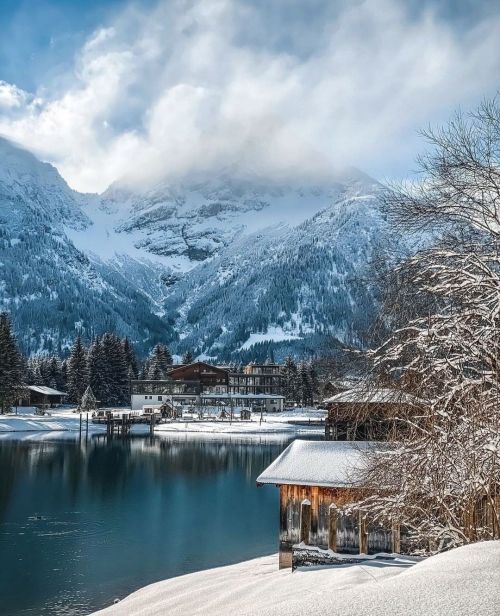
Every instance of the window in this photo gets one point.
(160, 398)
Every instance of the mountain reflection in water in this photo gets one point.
(82, 523)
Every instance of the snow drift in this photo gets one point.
(455, 583)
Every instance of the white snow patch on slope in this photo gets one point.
(459, 582)
(103, 241)
(273, 334)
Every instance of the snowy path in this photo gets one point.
(462, 582)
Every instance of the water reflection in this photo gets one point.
(84, 522)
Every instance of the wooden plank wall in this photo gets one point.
(327, 526)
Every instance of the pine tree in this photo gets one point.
(116, 380)
(77, 372)
(187, 358)
(160, 362)
(289, 379)
(121, 372)
(89, 402)
(313, 378)
(11, 365)
(97, 370)
(144, 372)
(64, 374)
(37, 372)
(55, 373)
(305, 390)
(155, 373)
(29, 374)
(131, 359)
(168, 357)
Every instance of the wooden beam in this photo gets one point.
(285, 556)
(332, 528)
(363, 535)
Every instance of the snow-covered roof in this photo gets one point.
(331, 464)
(375, 396)
(245, 396)
(46, 391)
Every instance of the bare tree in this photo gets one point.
(441, 479)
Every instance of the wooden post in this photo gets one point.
(396, 538)
(80, 425)
(285, 560)
(87, 426)
(495, 511)
(305, 521)
(152, 424)
(109, 423)
(332, 528)
(363, 535)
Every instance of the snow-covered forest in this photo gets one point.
(109, 363)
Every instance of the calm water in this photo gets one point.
(81, 524)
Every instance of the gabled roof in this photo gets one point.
(331, 464)
(203, 366)
(361, 395)
(46, 391)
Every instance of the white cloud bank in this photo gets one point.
(180, 88)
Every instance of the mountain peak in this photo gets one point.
(38, 186)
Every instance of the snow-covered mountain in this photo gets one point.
(214, 263)
(51, 288)
(183, 224)
(295, 287)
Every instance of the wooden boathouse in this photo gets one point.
(317, 481)
(361, 413)
(42, 396)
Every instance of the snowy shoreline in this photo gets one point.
(462, 581)
(65, 420)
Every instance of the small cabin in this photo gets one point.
(334, 387)
(39, 395)
(361, 413)
(317, 481)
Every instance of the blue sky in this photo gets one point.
(140, 90)
(40, 37)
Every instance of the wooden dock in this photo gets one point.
(121, 424)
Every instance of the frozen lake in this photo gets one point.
(84, 523)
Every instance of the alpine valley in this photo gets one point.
(227, 265)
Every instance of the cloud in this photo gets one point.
(12, 97)
(196, 86)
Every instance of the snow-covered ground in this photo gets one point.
(462, 582)
(61, 420)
